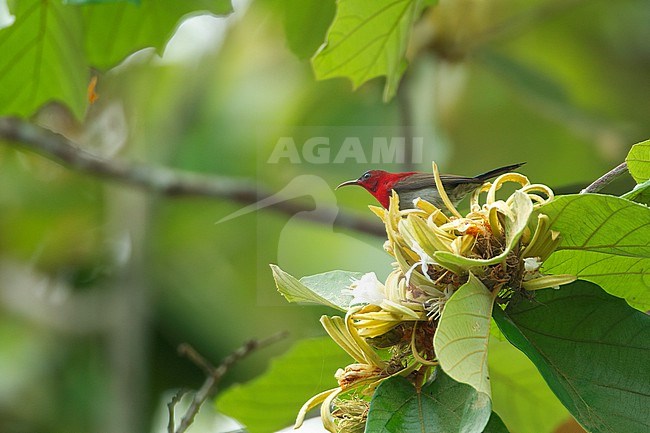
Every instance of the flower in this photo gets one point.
(504, 243)
(367, 372)
(532, 264)
(435, 251)
(367, 290)
(434, 306)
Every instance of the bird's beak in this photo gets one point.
(347, 183)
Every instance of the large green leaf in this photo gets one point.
(42, 58)
(273, 400)
(591, 348)
(461, 339)
(443, 405)
(47, 51)
(600, 223)
(606, 240)
(519, 394)
(368, 39)
(622, 276)
(325, 289)
(115, 30)
(515, 222)
(638, 161)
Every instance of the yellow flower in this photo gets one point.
(502, 242)
(435, 252)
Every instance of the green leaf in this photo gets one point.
(305, 23)
(273, 400)
(519, 394)
(42, 58)
(515, 223)
(495, 332)
(591, 348)
(325, 289)
(368, 39)
(613, 226)
(461, 340)
(110, 35)
(638, 161)
(495, 425)
(611, 247)
(640, 193)
(622, 276)
(443, 405)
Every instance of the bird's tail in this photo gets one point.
(498, 171)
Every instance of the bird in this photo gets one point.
(411, 185)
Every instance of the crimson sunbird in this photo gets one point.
(411, 185)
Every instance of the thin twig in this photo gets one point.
(605, 179)
(199, 398)
(214, 375)
(190, 353)
(171, 406)
(169, 182)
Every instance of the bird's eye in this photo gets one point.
(366, 176)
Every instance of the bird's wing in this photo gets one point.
(423, 180)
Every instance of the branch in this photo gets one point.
(166, 181)
(214, 376)
(171, 406)
(605, 179)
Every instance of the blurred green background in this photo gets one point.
(100, 282)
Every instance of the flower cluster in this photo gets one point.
(389, 327)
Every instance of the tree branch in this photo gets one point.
(605, 179)
(171, 407)
(166, 181)
(214, 376)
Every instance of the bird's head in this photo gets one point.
(379, 183)
(371, 180)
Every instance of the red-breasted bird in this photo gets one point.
(411, 185)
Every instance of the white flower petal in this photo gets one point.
(532, 264)
(367, 290)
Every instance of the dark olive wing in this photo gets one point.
(423, 180)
